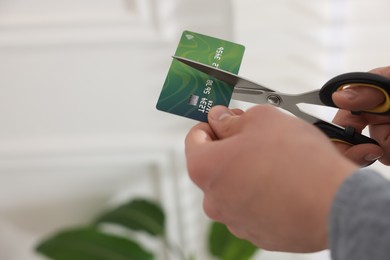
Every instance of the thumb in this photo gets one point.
(358, 98)
(223, 121)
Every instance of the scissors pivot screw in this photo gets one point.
(274, 100)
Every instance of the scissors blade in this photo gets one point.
(311, 97)
(227, 77)
(245, 90)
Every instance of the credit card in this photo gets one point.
(191, 93)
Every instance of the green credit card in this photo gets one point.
(191, 93)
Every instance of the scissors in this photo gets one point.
(249, 91)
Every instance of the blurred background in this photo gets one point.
(79, 81)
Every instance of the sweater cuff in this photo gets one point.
(359, 222)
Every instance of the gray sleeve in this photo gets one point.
(359, 227)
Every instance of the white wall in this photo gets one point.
(79, 81)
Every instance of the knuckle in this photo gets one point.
(226, 129)
(238, 232)
(261, 110)
(195, 173)
(198, 171)
(211, 210)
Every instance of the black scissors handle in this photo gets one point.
(358, 79)
(346, 135)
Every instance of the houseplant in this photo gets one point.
(98, 241)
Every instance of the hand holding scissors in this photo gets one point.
(249, 91)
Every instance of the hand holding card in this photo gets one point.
(190, 93)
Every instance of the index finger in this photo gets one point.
(198, 145)
(384, 71)
(198, 135)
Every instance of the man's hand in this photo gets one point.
(364, 98)
(268, 176)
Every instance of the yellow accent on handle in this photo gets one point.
(384, 107)
(339, 141)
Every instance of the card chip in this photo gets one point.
(193, 100)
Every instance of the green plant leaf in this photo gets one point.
(225, 246)
(138, 215)
(89, 243)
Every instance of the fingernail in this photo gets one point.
(220, 112)
(372, 157)
(348, 93)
